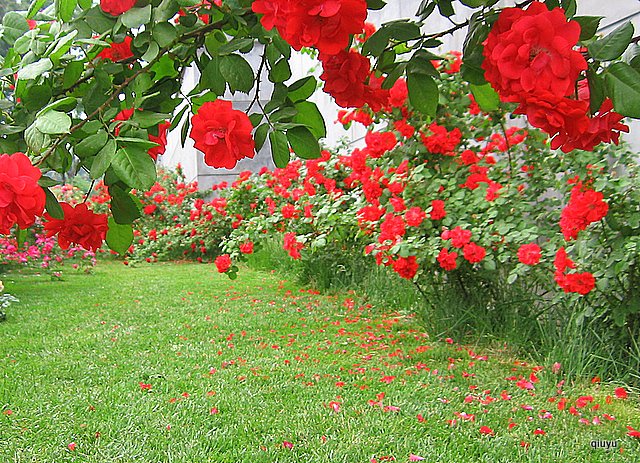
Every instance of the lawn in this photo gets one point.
(176, 363)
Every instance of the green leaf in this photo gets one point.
(309, 115)
(303, 143)
(237, 72)
(146, 119)
(34, 70)
(623, 86)
(234, 45)
(65, 104)
(376, 43)
(37, 96)
(256, 118)
(613, 45)
(52, 205)
(35, 140)
(53, 123)
(279, 149)
(91, 145)
(35, 7)
(402, 30)
(135, 167)
(103, 159)
(375, 4)
(14, 26)
(280, 72)
(119, 236)
(136, 17)
(588, 26)
(164, 34)
(596, 90)
(486, 97)
(302, 89)
(123, 207)
(212, 79)
(66, 8)
(423, 93)
(72, 73)
(260, 135)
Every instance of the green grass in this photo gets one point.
(270, 357)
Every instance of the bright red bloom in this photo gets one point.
(79, 226)
(324, 24)
(458, 236)
(529, 254)
(447, 260)
(116, 7)
(441, 141)
(562, 262)
(581, 283)
(414, 216)
(246, 247)
(398, 94)
(347, 78)
(160, 139)
(379, 143)
(437, 210)
(222, 133)
(223, 263)
(621, 393)
(118, 51)
(405, 129)
(406, 267)
(292, 245)
(584, 207)
(531, 51)
(392, 228)
(486, 430)
(473, 252)
(21, 198)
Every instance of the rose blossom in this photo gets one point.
(223, 134)
(21, 198)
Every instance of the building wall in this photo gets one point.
(614, 11)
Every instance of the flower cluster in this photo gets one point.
(530, 59)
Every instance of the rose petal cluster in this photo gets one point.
(118, 51)
(21, 198)
(223, 134)
(530, 59)
(324, 24)
(116, 7)
(585, 207)
(80, 226)
(348, 79)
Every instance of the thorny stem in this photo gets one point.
(506, 141)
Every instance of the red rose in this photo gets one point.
(584, 207)
(473, 253)
(246, 247)
(116, 7)
(118, 51)
(414, 216)
(79, 226)
(406, 267)
(344, 75)
(529, 51)
(437, 210)
(581, 283)
(529, 254)
(459, 237)
(324, 24)
(21, 198)
(223, 134)
(223, 263)
(447, 260)
(292, 245)
(441, 141)
(160, 139)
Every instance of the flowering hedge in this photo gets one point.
(95, 87)
(460, 200)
